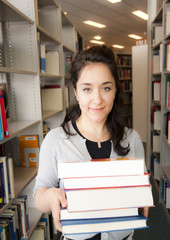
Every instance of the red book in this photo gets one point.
(4, 120)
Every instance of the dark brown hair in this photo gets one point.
(114, 122)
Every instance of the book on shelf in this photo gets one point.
(53, 62)
(168, 56)
(3, 114)
(66, 215)
(42, 57)
(157, 34)
(81, 226)
(52, 99)
(167, 21)
(157, 120)
(29, 150)
(101, 167)
(4, 180)
(167, 91)
(9, 216)
(157, 91)
(156, 63)
(156, 142)
(1, 127)
(165, 190)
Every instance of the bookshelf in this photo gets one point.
(158, 148)
(124, 63)
(23, 25)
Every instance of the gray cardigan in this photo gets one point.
(57, 147)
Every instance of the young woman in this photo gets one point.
(92, 128)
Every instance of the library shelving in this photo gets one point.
(124, 63)
(158, 148)
(24, 25)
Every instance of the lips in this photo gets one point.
(97, 109)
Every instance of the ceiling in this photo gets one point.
(117, 17)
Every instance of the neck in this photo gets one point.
(96, 132)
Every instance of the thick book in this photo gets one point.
(66, 215)
(102, 225)
(106, 181)
(101, 167)
(109, 198)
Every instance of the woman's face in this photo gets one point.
(95, 92)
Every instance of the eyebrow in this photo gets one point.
(89, 84)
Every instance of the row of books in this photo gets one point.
(126, 85)
(104, 195)
(123, 60)
(14, 221)
(7, 190)
(124, 73)
(49, 61)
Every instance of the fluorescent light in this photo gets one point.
(65, 13)
(95, 24)
(97, 37)
(117, 46)
(114, 1)
(97, 42)
(134, 36)
(141, 14)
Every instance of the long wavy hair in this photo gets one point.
(114, 122)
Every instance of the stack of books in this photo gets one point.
(104, 195)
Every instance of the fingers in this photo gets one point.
(146, 211)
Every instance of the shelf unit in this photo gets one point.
(124, 63)
(158, 148)
(23, 25)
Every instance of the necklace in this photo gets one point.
(99, 142)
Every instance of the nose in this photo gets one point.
(97, 97)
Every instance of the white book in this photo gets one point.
(52, 63)
(109, 198)
(66, 215)
(107, 181)
(167, 22)
(101, 167)
(156, 64)
(157, 120)
(156, 143)
(158, 34)
(157, 91)
(11, 177)
(38, 234)
(168, 57)
(52, 99)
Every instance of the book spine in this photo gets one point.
(3, 114)
(42, 58)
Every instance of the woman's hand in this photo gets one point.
(49, 200)
(57, 199)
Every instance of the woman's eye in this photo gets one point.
(86, 90)
(106, 89)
